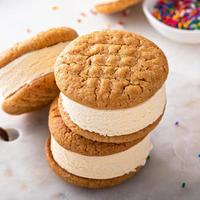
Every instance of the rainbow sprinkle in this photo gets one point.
(181, 14)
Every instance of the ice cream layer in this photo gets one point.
(116, 122)
(27, 68)
(102, 167)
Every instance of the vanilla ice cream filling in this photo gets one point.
(102, 167)
(27, 68)
(116, 122)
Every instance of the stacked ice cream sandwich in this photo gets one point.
(112, 95)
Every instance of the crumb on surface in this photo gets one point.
(79, 20)
(28, 30)
(93, 12)
(54, 8)
(83, 14)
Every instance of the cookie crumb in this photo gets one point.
(93, 12)
(120, 23)
(79, 20)
(83, 14)
(125, 13)
(28, 30)
(54, 8)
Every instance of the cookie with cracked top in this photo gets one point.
(111, 69)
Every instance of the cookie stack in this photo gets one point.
(112, 96)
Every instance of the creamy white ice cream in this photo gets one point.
(116, 122)
(27, 68)
(102, 167)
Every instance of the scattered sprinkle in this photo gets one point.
(79, 20)
(176, 123)
(199, 155)
(183, 185)
(120, 23)
(28, 30)
(181, 14)
(93, 12)
(125, 13)
(83, 14)
(54, 8)
(107, 25)
(148, 158)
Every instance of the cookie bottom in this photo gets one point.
(31, 97)
(115, 6)
(137, 136)
(80, 181)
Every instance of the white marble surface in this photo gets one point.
(24, 172)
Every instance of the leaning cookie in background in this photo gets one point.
(112, 6)
(112, 86)
(26, 71)
(90, 164)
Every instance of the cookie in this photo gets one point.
(111, 70)
(133, 137)
(112, 84)
(112, 6)
(26, 70)
(91, 164)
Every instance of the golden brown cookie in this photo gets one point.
(115, 6)
(134, 137)
(111, 70)
(26, 70)
(80, 181)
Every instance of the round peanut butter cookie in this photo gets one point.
(112, 6)
(134, 137)
(80, 181)
(73, 141)
(26, 70)
(111, 70)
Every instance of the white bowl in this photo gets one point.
(178, 35)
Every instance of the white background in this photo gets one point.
(24, 172)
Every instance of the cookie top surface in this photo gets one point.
(111, 69)
(76, 143)
(41, 40)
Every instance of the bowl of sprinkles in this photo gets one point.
(178, 20)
